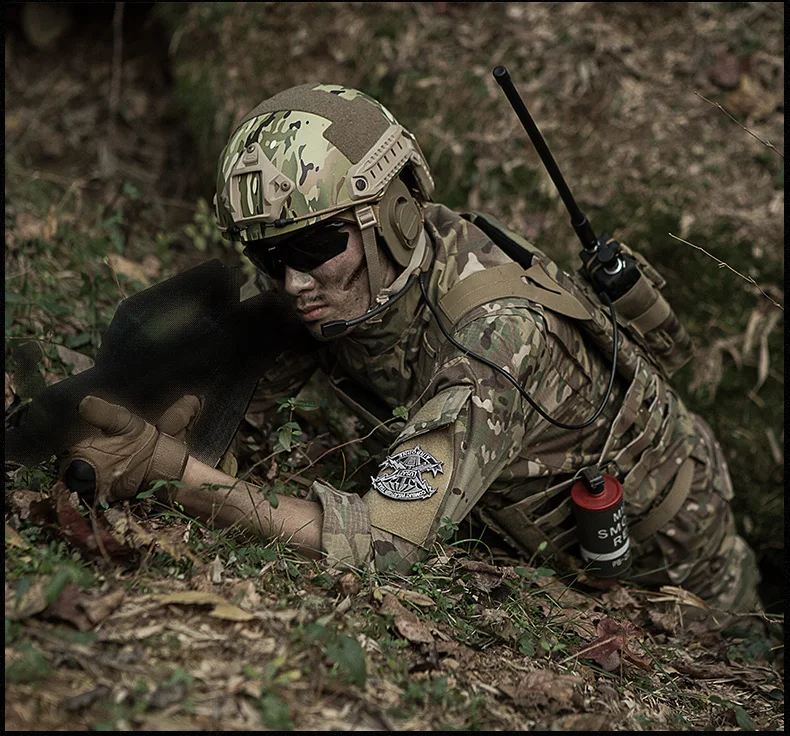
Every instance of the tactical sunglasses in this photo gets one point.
(304, 251)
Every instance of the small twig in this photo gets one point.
(115, 277)
(97, 535)
(117, 63)
(754, 135)
(18, 273)
(722, 264)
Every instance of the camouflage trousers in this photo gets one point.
(700, 549)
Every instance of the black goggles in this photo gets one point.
(304, 251)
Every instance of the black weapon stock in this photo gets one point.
(189, 334)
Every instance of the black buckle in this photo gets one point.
(593, 479)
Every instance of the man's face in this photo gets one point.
(337, 289)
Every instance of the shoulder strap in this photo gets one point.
(510, 280)
(529, 277)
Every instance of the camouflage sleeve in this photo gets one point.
(454, 446)
(345, 530)
(459, 441)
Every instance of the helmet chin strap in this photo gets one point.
(367, 219)
(373, 260)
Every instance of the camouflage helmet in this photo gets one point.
(313, 152)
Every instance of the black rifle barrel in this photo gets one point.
(579, 220)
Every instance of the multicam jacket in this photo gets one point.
(477, 446)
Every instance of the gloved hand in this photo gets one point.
(130, 452)
(178, 420)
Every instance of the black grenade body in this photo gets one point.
(601, 526)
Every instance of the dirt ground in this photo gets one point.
(141, 619)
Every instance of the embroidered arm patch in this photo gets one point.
(405, 482)
(418, 471)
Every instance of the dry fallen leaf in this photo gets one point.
(613, 645)
(92, 536)
(619, 598)
(151, 266)
(413, 630)
(222, 609)
(728, 69)
(130, 269)
(134, 534)
(668, 621)
(12, 538)
(349, 584)
(84, 700)
(251, 600)
(68, 608)
(589, 722)
(417, 598)
(343, 606)
(497, 621)
(29, 226)
(229, 612)
(26, 601)
(98, 609)
(10, 394)
(191, 597)
(215, 570)
(78, 361)
(543, 687)
(751, 99)
(487, 577)
(409, 626)
(405, 595)
(24, 504)
(682, 597)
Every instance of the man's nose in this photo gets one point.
(297, 281)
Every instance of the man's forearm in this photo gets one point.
(223, 501)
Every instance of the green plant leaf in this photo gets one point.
(349, 657)
(285, 437)
(743, 719)
(275, 712)
(131, 191)
(179, 674)
(55, 586)
(401, 412)
(447, 528)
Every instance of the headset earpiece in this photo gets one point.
(400, 221)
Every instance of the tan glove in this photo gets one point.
(129, 454)
(178, 420)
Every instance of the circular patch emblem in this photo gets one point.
(405, 482)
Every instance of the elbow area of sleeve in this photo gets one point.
(392, 553)
(345, 531)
